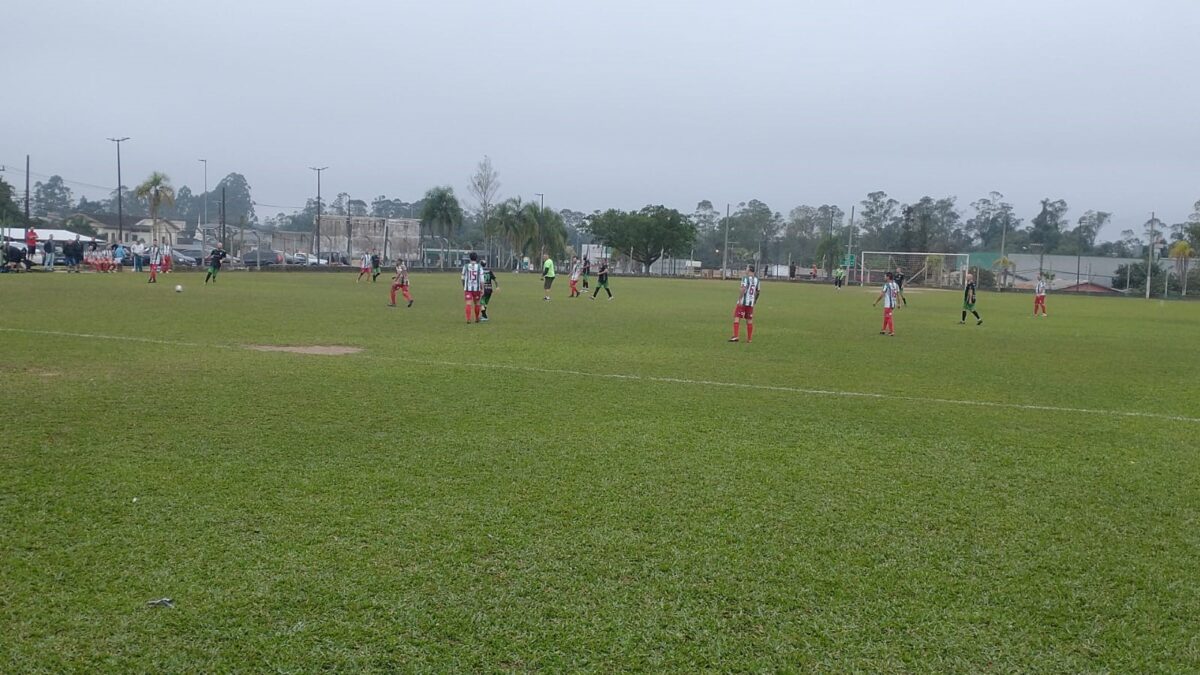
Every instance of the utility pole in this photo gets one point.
(538, 234)
(120, 207)
(1150, 257)
(205, 162)
(725, 251)
(28, 223)
(850, 237)
(223, 215)
(317, 237)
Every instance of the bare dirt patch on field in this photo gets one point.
(320, 350)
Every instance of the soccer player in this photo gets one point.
(890, 294)
(400, 282)
(744, 309)
(587, 271)
(166, 256)
(375, 269)
(215, 259)
(364, 267)
(1039, 295)
(969, 302)
(472, 278)
(547, 275)
(576, 270)
(490, 284)
(602, 280)
(839, 277)
(155, 253)
(899, 279)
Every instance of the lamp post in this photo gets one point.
(538, 222)
(205, 162)
(120, 207)
(317, 224)
(725, 250)
(1150, 256)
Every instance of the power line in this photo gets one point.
(35, 174)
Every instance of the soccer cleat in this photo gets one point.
(484, 319)
(962, 323)
(410, 303)
(391, 304)
(979, 322)
(733, 339)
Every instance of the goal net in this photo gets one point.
(943, 270)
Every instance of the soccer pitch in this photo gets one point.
(592, 485)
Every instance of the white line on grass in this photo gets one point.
(666, 380)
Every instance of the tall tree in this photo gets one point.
(441, 214)
(1087, 228)
(994, 225)
(10, 213)
(239, 204)
(879, 221)
(53, 196)
(484, 187)
(156, 191)
(1047, 225)
(645, 235)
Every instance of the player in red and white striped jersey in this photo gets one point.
(472, 278)
(744, 309)
(890, 294)
(1039, 295)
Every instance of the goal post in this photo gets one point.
(936, 270)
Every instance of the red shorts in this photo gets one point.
(472, 296)
(743, 312)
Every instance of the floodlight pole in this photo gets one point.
(317, 238)
(120, 208)
(1150, 257)
(538, 223)
(725, 251)
(205, 162)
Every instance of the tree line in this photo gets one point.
(512, 228)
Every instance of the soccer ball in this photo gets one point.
(178, 288)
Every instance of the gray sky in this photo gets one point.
(621, 103)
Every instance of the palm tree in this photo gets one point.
(156, 191)
(504, 224)
(1182, 252)
(441, 213)
(544, 231)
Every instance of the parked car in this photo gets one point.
(310, 259)
(263, 257)
(181, 259)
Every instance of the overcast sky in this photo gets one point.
(621, 103)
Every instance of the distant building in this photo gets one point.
(133, 229)
(393, 238)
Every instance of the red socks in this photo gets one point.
(478, 309)
(393, 295)
(736, 327)
(468, 313)
(749, 332)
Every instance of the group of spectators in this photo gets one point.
(75, 254)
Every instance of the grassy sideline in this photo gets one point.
(495, 497)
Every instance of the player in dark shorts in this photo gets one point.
(602, 280)
(587, 271)
(898, 277)
(215, 259)
(375, 268)
(969, 302)
(489, 285)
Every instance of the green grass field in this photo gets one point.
(589, 485)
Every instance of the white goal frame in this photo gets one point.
(948, 276)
